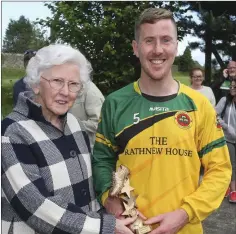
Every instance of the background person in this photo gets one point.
(20, 85)
(87, 108)
(221, 87)
(46, 169)
(197, 78)
(162, 131)
(226, 110)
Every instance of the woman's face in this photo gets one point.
(233, 88)
(197, 78)
(58, 88)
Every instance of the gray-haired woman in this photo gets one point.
(46, 169)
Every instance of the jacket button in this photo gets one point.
(73, 153)
(84, 192)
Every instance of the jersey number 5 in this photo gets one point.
(136, 118)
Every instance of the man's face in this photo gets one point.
(156, 48)
(232, 68)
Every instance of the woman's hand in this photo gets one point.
(113, 205)
(121, 225)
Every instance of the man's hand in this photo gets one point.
(113, 205)
(225, 73)
(170, 223)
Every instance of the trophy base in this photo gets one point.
(143, 230)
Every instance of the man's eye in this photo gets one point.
(166, 40)
(149, 40)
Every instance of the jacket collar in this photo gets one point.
(27, 107)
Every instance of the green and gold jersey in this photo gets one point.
(163, 144)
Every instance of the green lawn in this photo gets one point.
(9, 77)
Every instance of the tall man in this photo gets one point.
(162, 131)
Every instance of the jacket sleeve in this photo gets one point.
(43, 211)
(93, 105)
(104, 153)
(220, 106)
(214, 155)
(229, 129)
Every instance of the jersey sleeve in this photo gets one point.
(214, 155)
(104, 153)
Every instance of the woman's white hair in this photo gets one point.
(56, 54)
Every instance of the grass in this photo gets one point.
(10, 76)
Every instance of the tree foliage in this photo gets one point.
(186, 62)
(21, 35)
(103, 31)
(217, 30)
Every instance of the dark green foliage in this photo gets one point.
(22, 35)
(186, 62)
(217, 30)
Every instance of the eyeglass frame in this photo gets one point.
(197, 77)
(64, 82)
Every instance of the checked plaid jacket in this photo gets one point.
(47, 182)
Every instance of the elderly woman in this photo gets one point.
(196, 79)
(46, 169)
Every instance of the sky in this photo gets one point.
(33, 10)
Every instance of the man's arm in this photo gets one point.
(213, 152)
(104, 156)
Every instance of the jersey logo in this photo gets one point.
(183, 120)
(158, 108)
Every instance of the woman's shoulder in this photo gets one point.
(207, 88)
(10, 124)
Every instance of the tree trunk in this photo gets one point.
(217, 56)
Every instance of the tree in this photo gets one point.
(103, 31)
(185, 62)
(217, 30)
(21, 35)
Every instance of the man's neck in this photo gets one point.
(164, 87)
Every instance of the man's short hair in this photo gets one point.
(28, 55)
(151, 16)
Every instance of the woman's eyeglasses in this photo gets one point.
(58, 84)
(197, 77)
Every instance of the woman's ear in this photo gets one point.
(35, 88)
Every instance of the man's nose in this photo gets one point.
(158, 47)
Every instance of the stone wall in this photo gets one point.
(12, 60)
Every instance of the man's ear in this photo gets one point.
(135, 48)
